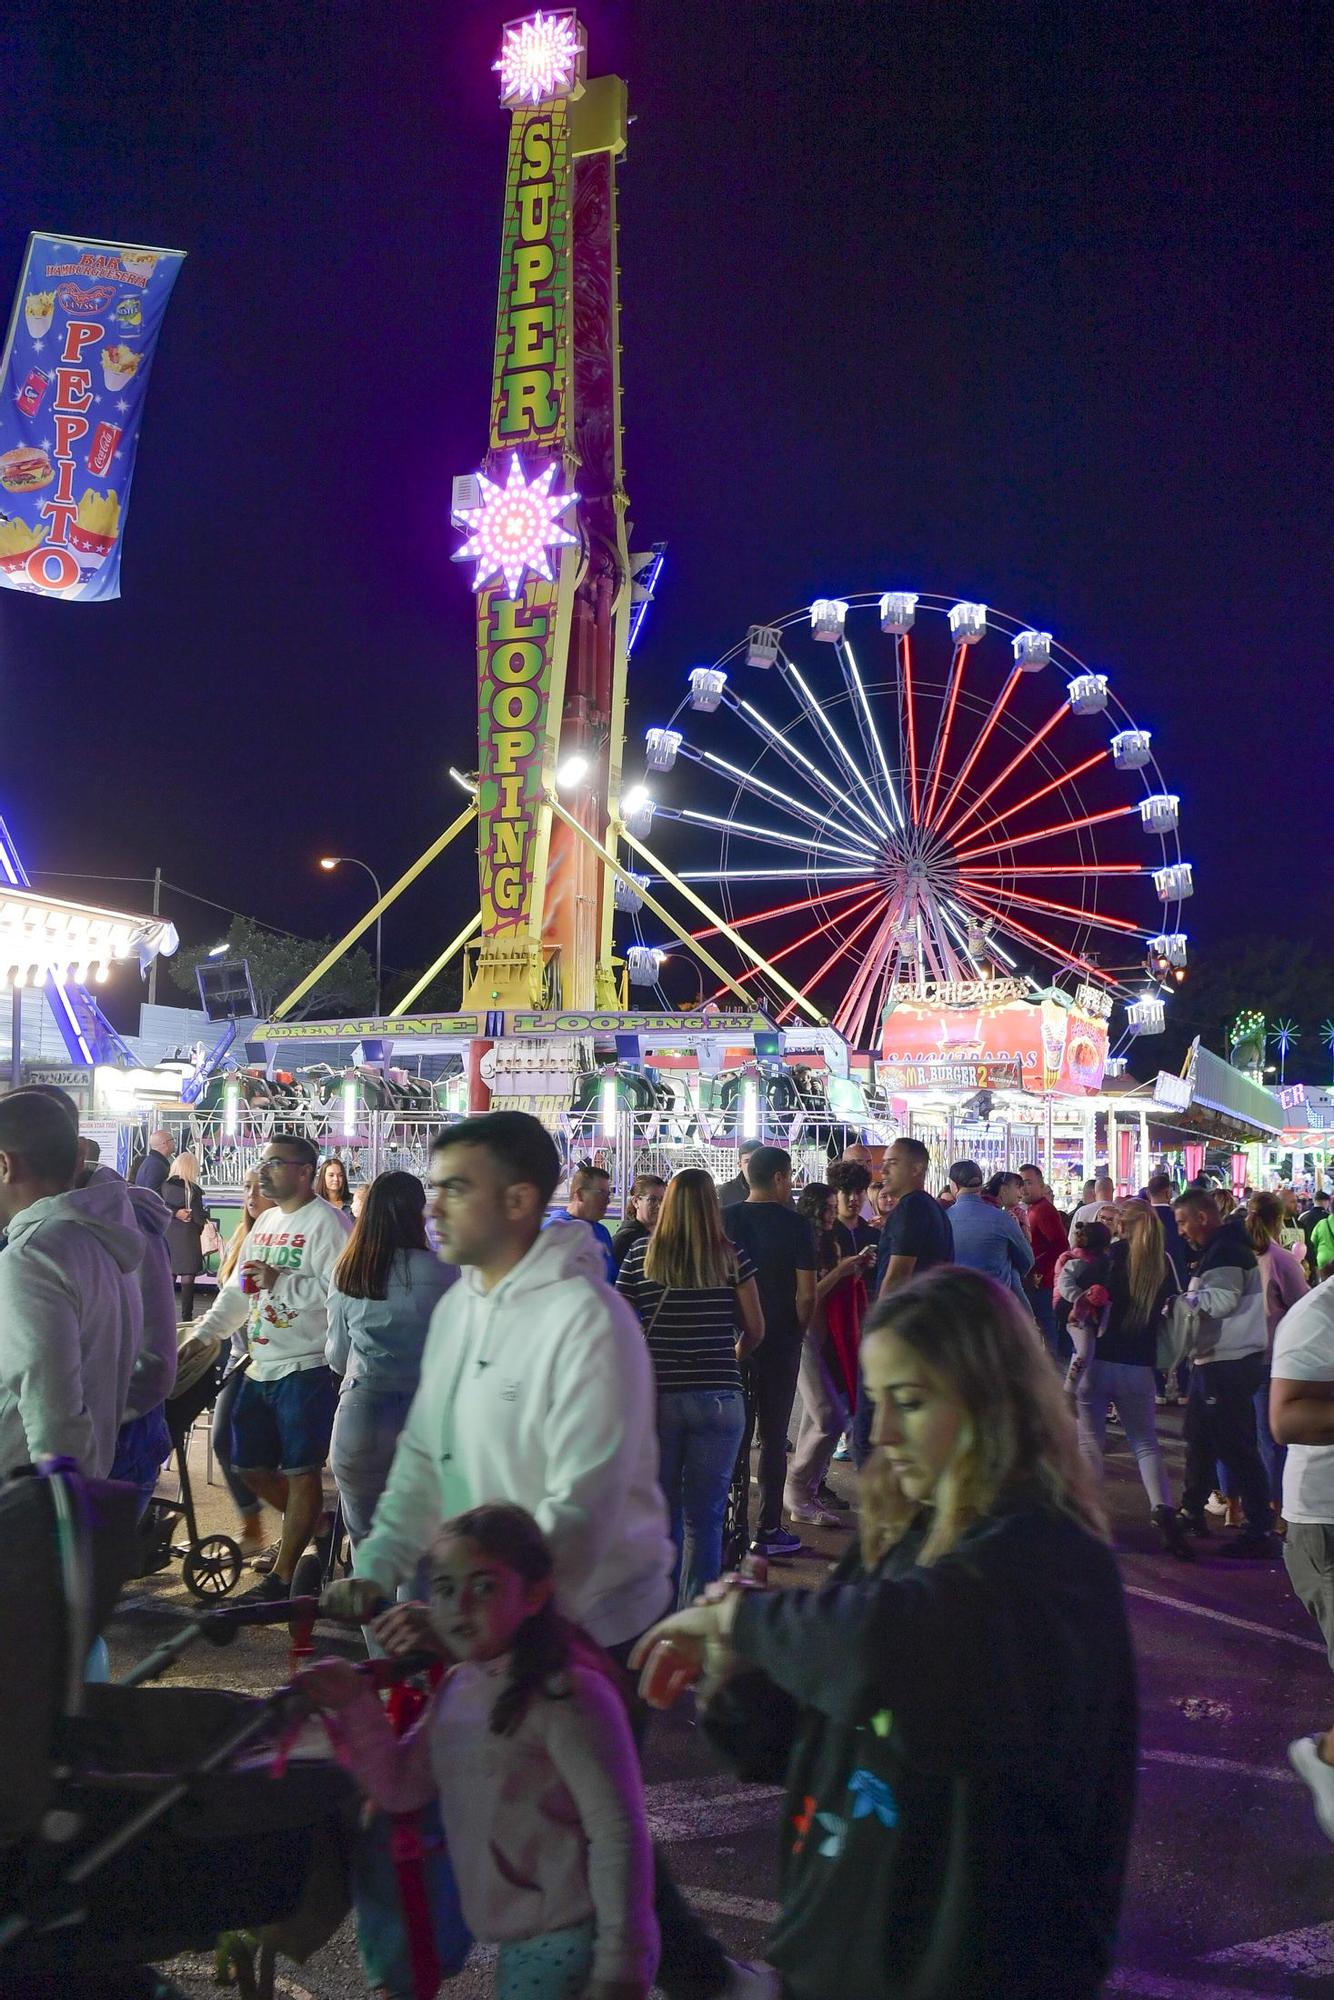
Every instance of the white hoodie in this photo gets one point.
(540, 1392)
(71, 1325)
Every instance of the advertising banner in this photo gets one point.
(77, 358)
(1052, 1047)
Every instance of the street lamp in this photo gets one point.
(331, 861)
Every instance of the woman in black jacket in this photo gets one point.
(954, 1716)
(185, 1231)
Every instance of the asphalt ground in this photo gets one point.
(1231, 1884)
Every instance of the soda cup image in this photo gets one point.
(102, 449)
(30, 397)
(248, 1284)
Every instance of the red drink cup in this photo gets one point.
(248, 1283)
(668, 1672)
(100, 452)
(29, 398)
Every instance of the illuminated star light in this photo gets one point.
(514, 527)
(538, 58)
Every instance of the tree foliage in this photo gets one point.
(1285, 978)
(278, 963)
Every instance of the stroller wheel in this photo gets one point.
(212, 1567)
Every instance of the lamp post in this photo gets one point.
(331, 861)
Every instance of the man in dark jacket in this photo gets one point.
(156, 1163)
(738, 1188)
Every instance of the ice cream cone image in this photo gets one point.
(119, 365)
(38, 312)
(139, 263)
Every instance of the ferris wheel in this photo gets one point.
(892, 791)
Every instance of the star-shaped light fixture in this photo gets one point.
(539, 58)
(514, 527)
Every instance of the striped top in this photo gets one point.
(693, 1338)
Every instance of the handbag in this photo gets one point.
(210, 1238)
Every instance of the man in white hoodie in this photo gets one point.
(537, 1388)
(71, 1313)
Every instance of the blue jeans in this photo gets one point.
(247, 1502)
(366, 1431)
(1273, 1456)
(699, 1435)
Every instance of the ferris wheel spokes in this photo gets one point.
(776, 957)
(940, 747)
(817, 902)
(998, 708)
(799, 761)
(774, 836)
(1043, 791)
(903, 652)
(1000, 916)
(963, 855)
(791, 672)
(866, 723)
(1038, 737)
(779, 797)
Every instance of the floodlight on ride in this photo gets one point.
(539, 58)
(1147, 1016)
(763, 644)
(637, 810)
(829, 615)
(628, 895)
(968, 623)
(706, 688)
(643, 964)
(749, 1123)
(898, 611)
(1160, 812)
(231, 1108)
(1174, 883)
(514, 526)
(660, 748)
(350, 1097)
(1131, 749)
(1032, 651)
(1088, 694)
(609, 1103)
(571, 771)
(1169, 947)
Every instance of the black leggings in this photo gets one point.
(187, 1286)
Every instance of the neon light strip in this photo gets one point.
(894, 799)
(749, 782)
(997, 710)
(943, 736)
(1053, 785)
(1039, 736)
(1026, 868)
(755, 971)
(775, 838)
(874, 966)
(837, 741)
(912, 728)
(786, 749)
(993, 948)
(1045, 833)
(18, 879)
(1069, 911)
(786, 909)
(833, 958)
(760, 874)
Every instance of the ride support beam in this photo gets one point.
(733, 937)
(474, 923)
(678, 931)
(391, 894)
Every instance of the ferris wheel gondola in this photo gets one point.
(881, 800)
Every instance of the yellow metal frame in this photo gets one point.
(344, 944)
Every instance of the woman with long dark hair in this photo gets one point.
(954, 1715)
(386, 1285)
(699, 1306)
(331, 1184)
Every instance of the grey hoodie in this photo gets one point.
(71, 1326)
(155, 1370)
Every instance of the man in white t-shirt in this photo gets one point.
(283, 1415)
(1301, 1416)
(1104, 1190)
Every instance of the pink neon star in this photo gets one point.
(538, 58)
(514, 527)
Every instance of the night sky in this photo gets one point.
(1027, 304)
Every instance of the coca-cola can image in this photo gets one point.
(29, 398)
(102, 449)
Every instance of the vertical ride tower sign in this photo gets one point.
(525, 557)
(72, 386)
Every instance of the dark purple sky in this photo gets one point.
(1027, 303)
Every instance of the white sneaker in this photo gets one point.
(747, 1979)
(817, 1517)
(1216, 1505)
(1305, 1759)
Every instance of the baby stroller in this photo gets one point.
(135, 1822)
(211, 1566)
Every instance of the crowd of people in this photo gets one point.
(535, 1429)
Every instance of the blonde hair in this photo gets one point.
(975, 1341)
(185, 1167)
(1225, 1202)
(1264, 1221)
(1146, 1259)
(688, 1250)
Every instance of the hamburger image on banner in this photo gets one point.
(25, 468)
